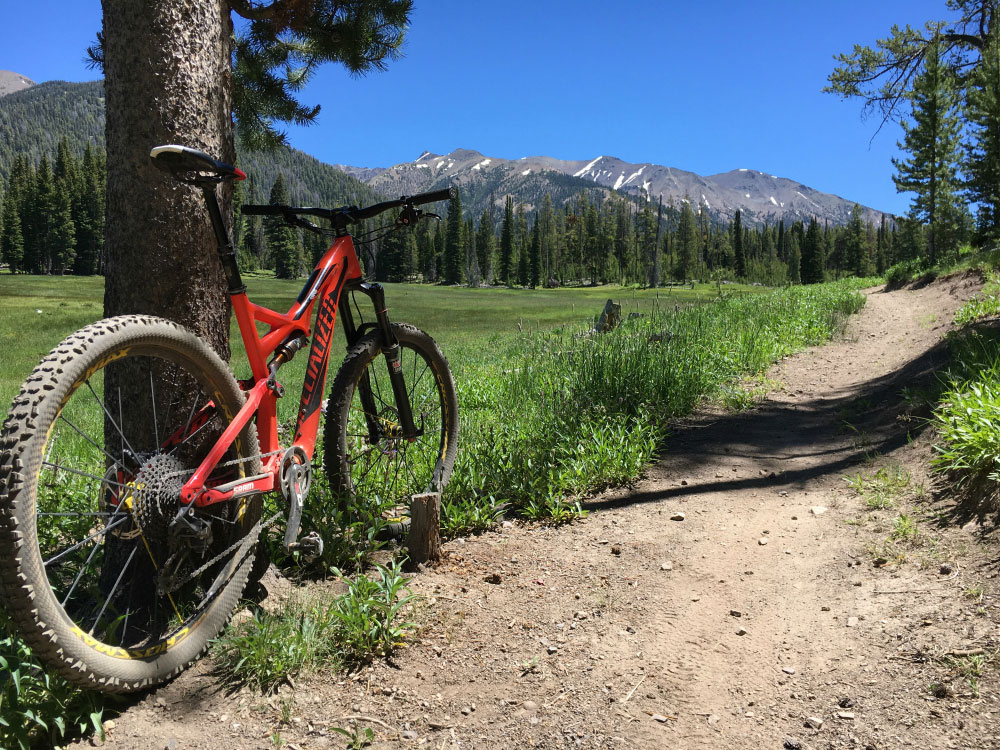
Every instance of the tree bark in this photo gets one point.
(167, 66)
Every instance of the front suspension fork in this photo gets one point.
(391, 351)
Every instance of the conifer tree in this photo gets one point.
(535, 255)
(738, 250)
(933, 144)
(812, 254)
(507, 244)
(11, 238)
(394, 259)
(90, 215)
(472, 270)
(686, 242)
(453, 250)
(548, 239)
(793, 240)
(883, 252)
(857, 244)
(982, 156)
(484, 246)
(60, 239)
(38, 212)
(521, 243)
(282, 244)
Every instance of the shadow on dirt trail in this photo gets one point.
(845, 429)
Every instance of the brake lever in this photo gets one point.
(410, 216)
(297, 221)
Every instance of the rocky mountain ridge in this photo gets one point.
(11, 82)
(761, 197)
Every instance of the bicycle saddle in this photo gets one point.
(181, 159)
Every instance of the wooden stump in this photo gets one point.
(610, 317)
(424, 541)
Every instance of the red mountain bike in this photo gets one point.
(132, 464)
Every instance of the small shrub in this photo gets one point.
(349, 629)
(368, 616)
(37, 708)
(985, 304)
(904, 529)
(904, 272)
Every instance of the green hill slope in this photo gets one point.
(32, 122)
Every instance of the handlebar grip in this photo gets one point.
(438, 195)
(251, 209)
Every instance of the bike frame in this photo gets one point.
(336, 272)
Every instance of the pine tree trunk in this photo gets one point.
(167, 80)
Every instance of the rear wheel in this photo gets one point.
(110, 584)
(368, 460)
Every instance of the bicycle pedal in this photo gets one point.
(311, 546)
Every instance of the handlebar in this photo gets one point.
(348, 214)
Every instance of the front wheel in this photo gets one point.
(368, 459)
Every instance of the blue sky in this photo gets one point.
(704, 87)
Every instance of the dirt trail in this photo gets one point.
(760, 612)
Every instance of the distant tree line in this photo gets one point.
(649, 244)
(52, 213)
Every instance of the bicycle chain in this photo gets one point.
(257, 531)
(259, 528)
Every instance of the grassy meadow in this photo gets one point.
(37, 312)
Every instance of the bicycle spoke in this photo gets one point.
(102, 532)
(395, 476)
(125, 443)
(114, 588)
(89, 440)
(79, 575)
(187, 425)
(417, 380)
(102, 480)
(166, 425)
(188, 438)
(152, 397)
(375, 378)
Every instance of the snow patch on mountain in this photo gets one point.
(587, 168)
(634, 175)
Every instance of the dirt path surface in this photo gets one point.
(743, 595)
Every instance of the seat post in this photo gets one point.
(227, 254)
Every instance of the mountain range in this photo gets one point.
(759, 196)
(34, 117)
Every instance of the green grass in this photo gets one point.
(966, 416)
(458, 318)
(348, 630)
(36, 708)
(881, 489)
(967, 259)
(985, 304)
(563, 414)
